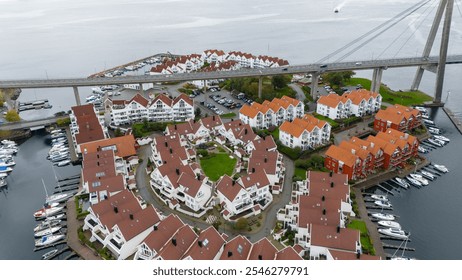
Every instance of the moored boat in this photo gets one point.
(413, 181)
(59, 197)
(47, 231)
(389, 224)
(47, 211)
(419, 178)
(397, 233)
(383, 216)
(442, 138)
(48, 239)
(46, 224)
(441, 168)
(428, 175)
(49, 254)
(402, 182)
(384, 204)
(379, 197)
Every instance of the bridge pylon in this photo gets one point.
(445, 7)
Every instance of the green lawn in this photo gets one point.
(406, 98)
(216, 165)
(228, 115)
(300, 173)
(365, 240)
(333, 123)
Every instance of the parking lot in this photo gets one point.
(217, 101)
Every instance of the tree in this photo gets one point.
(278, 82)
(118, 132)
(197, 113)
(242, 223)
(337, 79)
(12, 116)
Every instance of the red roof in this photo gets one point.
(328, 237)
(123, 146)
(263, 250)
(89, 127)
(237, 249)
(138, 222)
(140, 100)
(207, 246)
(163, 232)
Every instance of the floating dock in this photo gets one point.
(457, 123)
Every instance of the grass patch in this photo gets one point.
(216, 165)
(366, 242)
(333, 123)
(307, 91)
(405, 98)
(228, 115)
(300, 173)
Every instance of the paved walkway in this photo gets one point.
(73, 240)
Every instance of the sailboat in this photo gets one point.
(59, 197)
(49, 208)
(402, 257)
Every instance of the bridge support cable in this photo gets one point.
(77, 96)
(380, 33)
(398, 17)
(443, 51)
(430, 41)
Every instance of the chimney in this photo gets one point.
(97, 163)
(116, 210)
(323, 198)
(198, 176)
(213, 117)
(330, 174)
(230, 254)
(166, 144)
(175, 126)
(174, 241)
(253, 170)
(234, 182)
(199, 242)
(155, 227)
(165, 162)
(177, 171)
(358, 255)
(331, 184)
(105, 197)
(324, 211)
(131, 216)
(171, 151)
(260, 257)
(266, 160)
(338, 229)
(245, 131)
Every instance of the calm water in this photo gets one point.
(24, 195)
(57, 39)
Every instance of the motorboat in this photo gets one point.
(46, 224)
(49, 254)
(434, 142)
(7, 162)
(63, 163)
(379, 197)
(383, 204)
(47, 211)
(442, 142)
(421, 109)
(402, 182)
(383, 216)
(428, 175)
(441, 168)
(5, 169)
(413, 181)
(8, 142)
(419, 178)
(398, 233)
(428, 121)
(433, 130)
(61, 216)
(47, 231)
(389, 224)
(3, 182)
(422, 150)
(48, 239)
(442, 138)
(3, 175)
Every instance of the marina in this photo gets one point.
(34, 105)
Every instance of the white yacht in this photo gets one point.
(434, 142)
(441, 168)
(393, 232)
(384, 204)
(389, 224)
(433, 130)
(422, 150)
(46, 224)
(413, 181)
(47, 231)
(419, 178)
(442, 138)
(379, 197)
(382, 216)
(48, 239)
(427, 174)
(402, 182)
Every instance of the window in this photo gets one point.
(100, 174)
(107, 148)
(96, 184)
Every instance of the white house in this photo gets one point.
(120, 223)
(306, 133)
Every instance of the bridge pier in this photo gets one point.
(314, 85)
(141, 89)
(376, 79)
(443, 51)
(260, 84)
(76, 95)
